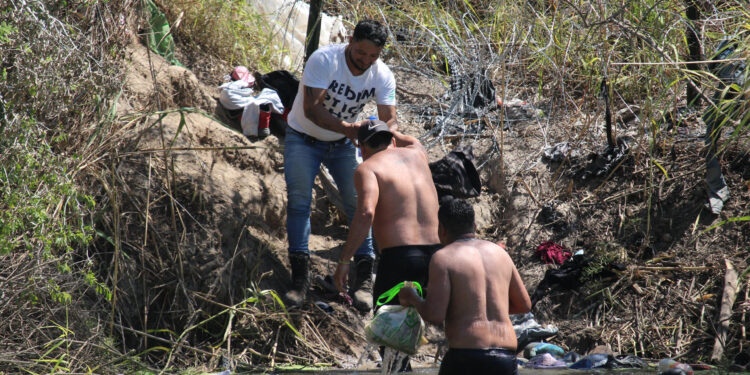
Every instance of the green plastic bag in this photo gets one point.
(160, 39)
(397, 327)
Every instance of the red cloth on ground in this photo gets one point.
(552, 253)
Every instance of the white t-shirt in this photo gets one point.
(346, 94)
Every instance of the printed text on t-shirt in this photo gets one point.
(343, 102)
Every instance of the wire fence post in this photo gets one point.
(313, 28)
(693, 14)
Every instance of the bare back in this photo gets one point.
(406, 210)
(484, 288)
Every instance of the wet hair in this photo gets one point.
(457, 217)
(379, 140)
(370, 30)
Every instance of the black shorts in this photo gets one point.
(402, 263)
(494, 361)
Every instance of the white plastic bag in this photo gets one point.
(397, 327)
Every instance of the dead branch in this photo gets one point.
(725, 314)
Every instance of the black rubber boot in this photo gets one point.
(361, 288)
(301, 279)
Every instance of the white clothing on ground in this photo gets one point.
(251, 113)
(235, 95)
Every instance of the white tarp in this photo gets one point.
(288, 22)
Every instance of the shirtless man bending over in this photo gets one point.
(474, 286)
(397, 197)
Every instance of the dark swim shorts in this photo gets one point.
(402, 263)
(493, 361)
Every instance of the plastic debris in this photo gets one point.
(630, 361)
(528, 329)
(324, 306)
(535, 348)
(669, 366)
(556, 153)
(594, 361)
(545, 361)
(571, 357)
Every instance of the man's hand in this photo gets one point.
(340, 277)
(315, 111)
(350, 131)
(408, 296)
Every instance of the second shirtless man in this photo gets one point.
(396, 196)
(474, 286)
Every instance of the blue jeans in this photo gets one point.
(302, 160)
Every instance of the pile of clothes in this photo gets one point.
(542, 355)
(257, 104)
(528, 330)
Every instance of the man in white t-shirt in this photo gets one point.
(337, 82)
